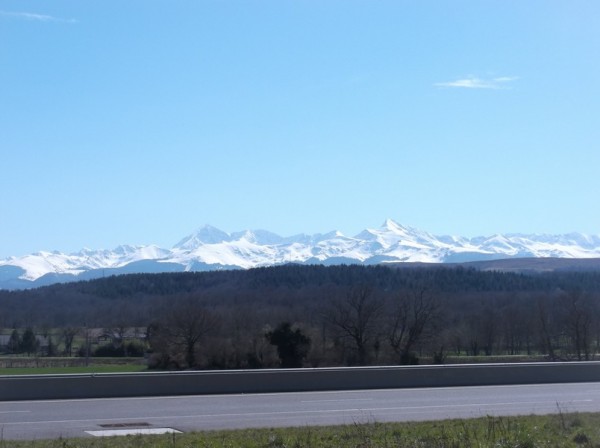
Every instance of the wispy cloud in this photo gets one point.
(474, 82)
(34, 17)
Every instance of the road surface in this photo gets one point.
(85, 417)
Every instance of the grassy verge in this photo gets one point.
(23, 365)
(562, 430)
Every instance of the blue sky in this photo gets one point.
(140, 121)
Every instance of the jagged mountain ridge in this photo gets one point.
(210, 248)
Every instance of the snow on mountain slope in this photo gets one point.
(212, 248)
(41, 263)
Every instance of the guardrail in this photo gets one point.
(105, 385)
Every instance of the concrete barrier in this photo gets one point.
(105, 385)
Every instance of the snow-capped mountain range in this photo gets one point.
(210, 248)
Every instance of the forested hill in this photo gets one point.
(436, 278)
(468, 310)
(134, 297)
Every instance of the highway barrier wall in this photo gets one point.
(105, 385)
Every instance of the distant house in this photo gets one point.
(103, 335)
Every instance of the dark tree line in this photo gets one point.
(294, 315)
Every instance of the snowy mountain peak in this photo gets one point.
(211, 248)
(204, 235)
(393, 226)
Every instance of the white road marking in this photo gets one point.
(342, 400)
(130, 432)
(14, 412)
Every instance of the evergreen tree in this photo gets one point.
(29, 343)
(14, 343)
(51, 347)
(292, 345)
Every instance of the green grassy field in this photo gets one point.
(23, 365)
(561, 430)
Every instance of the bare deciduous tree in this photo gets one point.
(356, 318)
(410, 316)
(182, 328)
(67, 335)
(578, 314)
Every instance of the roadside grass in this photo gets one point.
(560, 430)
(30, 365)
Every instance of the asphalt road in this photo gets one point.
(72, 418)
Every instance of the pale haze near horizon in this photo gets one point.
(137, 122)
